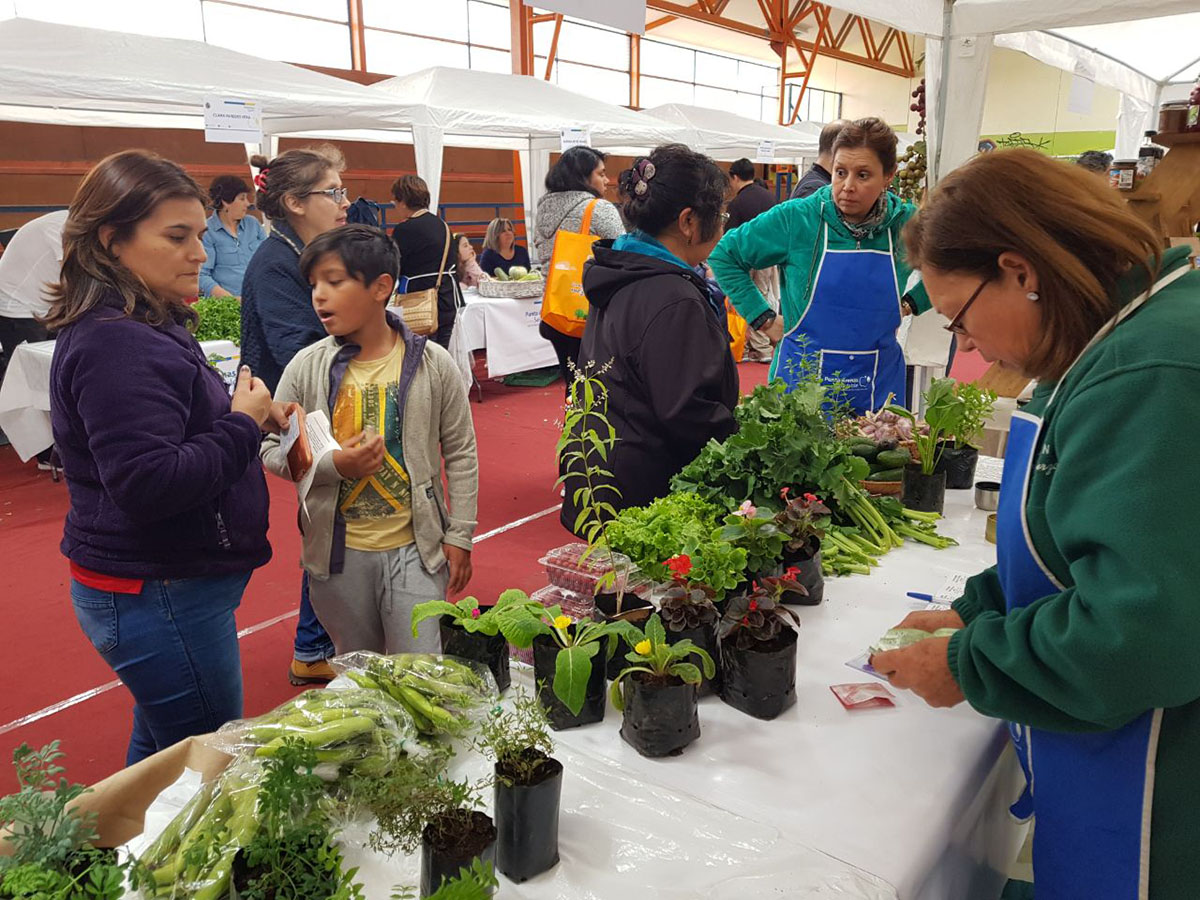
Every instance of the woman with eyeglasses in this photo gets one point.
(426, 251)
(843, 272)
(301, 192)
(1082, 636)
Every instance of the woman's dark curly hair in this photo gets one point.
(671, 179)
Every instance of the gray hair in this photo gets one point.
(491, 240)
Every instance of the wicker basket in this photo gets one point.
(882, 488)
(511, 290)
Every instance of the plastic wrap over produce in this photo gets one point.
(192, 859)
(444, 695)
(620, 837)
(360, 731)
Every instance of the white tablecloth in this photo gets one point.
(508, 330)
(25, 393)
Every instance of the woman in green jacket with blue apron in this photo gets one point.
(843, 274)
(1084, 635)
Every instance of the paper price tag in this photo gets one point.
(575, 137)
(229, 120)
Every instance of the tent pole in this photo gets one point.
(943, 90)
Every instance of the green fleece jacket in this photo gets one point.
(790, 236)
(1114, 512)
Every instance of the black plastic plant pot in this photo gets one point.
(527, 823)
(661, 717)
(491, 650)
(545, 653)
(760, 682)
(959, 465)
(924, 493)
(606, 604)
(618, 663)
(704, 637)
(438, 863)
(811, 577)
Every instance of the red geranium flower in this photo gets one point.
(679, 566)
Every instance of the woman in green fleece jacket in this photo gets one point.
(1084, 635)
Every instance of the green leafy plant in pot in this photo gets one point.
(479, 633)
(758, 535)
(477, 882)
(528, 787)
(801, 522)
(689, 613)
(924, 486)
(49, 844)
(758, 652)
(657, 693)
(960, 456)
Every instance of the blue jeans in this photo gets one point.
(313, 644)
(175, 647)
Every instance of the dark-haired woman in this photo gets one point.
(575, 180)
(655, 330)
(168, 513)
(231, 239)
(842, 268)
(301, 192)
(422, 237)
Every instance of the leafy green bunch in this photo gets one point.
(653, 656)
(977, 406)
(220, 319)
(784, 439)
(475, 883)
(679, 524)
(506, 617)
(943, 415)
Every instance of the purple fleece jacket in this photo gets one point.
(164, 478)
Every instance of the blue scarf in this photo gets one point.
(648, 245)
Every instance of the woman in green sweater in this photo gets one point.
(1084, 635)
(842, 272)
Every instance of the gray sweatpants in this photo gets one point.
(369, 605)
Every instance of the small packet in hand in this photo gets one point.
(295, 444)
(863, 696)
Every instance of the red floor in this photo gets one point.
(51, 663)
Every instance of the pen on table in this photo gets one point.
(928, 598)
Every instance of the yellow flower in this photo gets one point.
(562, 622)
(642, 648)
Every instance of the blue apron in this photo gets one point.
(1091, 794)
(850, 324)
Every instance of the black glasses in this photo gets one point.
(955, 326)
(337, 195)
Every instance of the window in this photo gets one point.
(278, 35)
(668, 61)
(715, 98)
(660, 91)
(602, 84)
(400, 54)
(334, 10)
(718, 71)
(817, 105)
(484, 60)
(753, 77)
(585, 44)
(133, 16)
(489, 25)
(446, 19)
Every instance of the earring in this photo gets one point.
(1033, 296)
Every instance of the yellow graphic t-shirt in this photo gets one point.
(378, 509)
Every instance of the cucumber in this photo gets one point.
(886, 475)
(867, 451)
(894, 459)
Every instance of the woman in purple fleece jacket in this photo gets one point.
(168, 512)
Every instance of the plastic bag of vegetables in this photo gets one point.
(359, 731)
(193, 858)
(443, 694)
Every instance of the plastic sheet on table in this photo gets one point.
(358, 731)
(444, 695)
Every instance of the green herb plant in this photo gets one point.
(410, 799)
(475, 883)
(757, 534)
(977, 406)
(518, 740)
(506, 617)
(293, 853)
(651, 655)
(943, 415)
(49, 843)
(220, 319)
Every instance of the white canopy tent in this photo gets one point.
(727, 136)
(468, 108)
(66, 75)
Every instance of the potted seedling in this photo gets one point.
(657, 693)
(480, 634)
(528, 787)
(50, 848)
(960, 456)
(746, 529)
(758, 653)
(800, 522)
(689, 613)
(923, 485)
(292, 853)
(475, 883)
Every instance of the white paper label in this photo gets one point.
(321, 442)
(231, 121)
(766, 152)
(576, 137)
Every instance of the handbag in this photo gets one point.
(419, 309)
(564, 307)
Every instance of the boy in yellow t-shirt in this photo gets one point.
(378, 537)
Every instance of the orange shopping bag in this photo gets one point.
(564, 307)
(737, 331)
